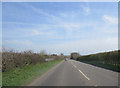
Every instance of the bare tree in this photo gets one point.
(42, 52)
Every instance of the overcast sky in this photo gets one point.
(60, 27)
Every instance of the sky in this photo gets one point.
(60, 27)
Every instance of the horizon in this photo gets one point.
(10, 49)
(60, 27)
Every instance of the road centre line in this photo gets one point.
(83, 74)
(74, 66)
(96, 85)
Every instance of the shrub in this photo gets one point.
(12, 59)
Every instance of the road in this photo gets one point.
(74, 73)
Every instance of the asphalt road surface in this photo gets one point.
(74, 73)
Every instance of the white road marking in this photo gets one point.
(95, 85)
(74, 66)
(83, 74)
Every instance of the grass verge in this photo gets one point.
(21, 76)
(105, 66)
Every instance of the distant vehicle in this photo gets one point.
(49, 59)
(66, 59)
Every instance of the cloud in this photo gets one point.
(110, 19)
(50, 17)
(37, 10)
(1, 43)
(70, 15)
(26, 30)
(60, 0)
(85, 46)
(41, 11)
(42, 33)
(86, 10)
(70, 27)
(19, 45)
(63, 30)
(18, 23)
(36, 32)
(62, 27)
(82, 46)
(18, 42)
